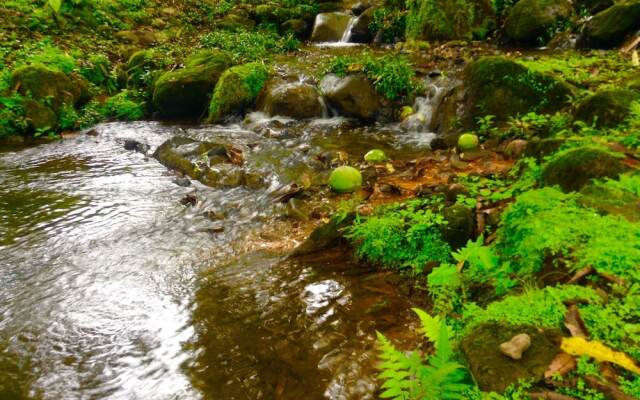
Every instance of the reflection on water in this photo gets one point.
(111, 289)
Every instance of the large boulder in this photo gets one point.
(501, 87)
(297, 100)
(447, 20)
(186, 92)
(330, 27)
(592, 6)
(611, 200)
(43, 84)
(530, 21)
(38, 115)
(607, 108)
(572, 169)
(360, 32)
(208, 162)
(237, 90)
(609, 28)
(352, 95)
(492, 370)
(460, 226)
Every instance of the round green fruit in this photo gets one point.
(468, 141)
(345, 179)
(375, 156)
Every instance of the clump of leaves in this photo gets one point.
(126, 106)
(392, 76)
(404, 235)
(439, 376)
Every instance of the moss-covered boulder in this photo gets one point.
(360, 31)
(186, 92)
(609, 28)
(607, 108)
(611, 200)
(38, 115)
(297, 100)
(592, 6)
(460, 226)
(235, 22)
(530, 21)
(330, 27)
(492, 370)
(298, 27)
(352, 95)
(501, 87)
(43, 84)
(237, 90)
(572, 169)
(140, 64)
(449, 20)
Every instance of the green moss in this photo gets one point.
(502, 87)
(186, 92)
(573, 168)
(607, 108)
(533, 21)
(447, 19)
(610, 27)
(237, 90)
(44, 84)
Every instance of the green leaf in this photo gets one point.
(55, 5)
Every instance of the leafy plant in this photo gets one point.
(246, 46)
(406, 377)
(126, 106)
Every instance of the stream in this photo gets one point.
(113, 289)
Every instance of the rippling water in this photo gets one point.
(111, 289)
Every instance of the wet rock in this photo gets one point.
(207, 162)
(530, 21)
(330, 27)
(186, 92)
(43, 84)
(237, 90)
(460, 225)
(502, 87)
(540, 148)
(325, 236)
(182, 181)
(495, 372)
(352, 95)
(607, 108)
(454, 190)
(516, 347)
(360, 32)
(516, 148)
(609, 28)
(134, 145)
(189, 200)
(235, 22)
(572, 169)
(291, 99)
(593, 6)
(216, 227)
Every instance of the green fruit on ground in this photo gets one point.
(345, 179)
(375, 156)
(468, 141)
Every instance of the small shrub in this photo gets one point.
(245, 46)
(125, 105)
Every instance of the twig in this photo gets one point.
(610, 390)
(581, 274)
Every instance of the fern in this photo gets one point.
(408, 377)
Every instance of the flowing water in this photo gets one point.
(113, 289)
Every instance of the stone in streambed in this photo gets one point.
(352, 96)
(186, 92)
(41, 83)
(360, 32)
(297, 100)
(38, 115)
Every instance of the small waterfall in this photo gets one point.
(346, 36)
(426, 107)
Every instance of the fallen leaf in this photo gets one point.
(561, 365)
(574, 323)
(579, 346)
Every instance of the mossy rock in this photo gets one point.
(352, 96)
(492, 370)
(593, 6)
(325, 236)
(449, 19)
(44, 84)
(38, 115)
(237, 90)
(460, 225)
(572, 169)
(186, 92)
(298, 27)
(291, 99)
(501, 87)
(140, 63)
(235, 22)
(607, 108)
(609, 200)
(609, 28)
(529, 22)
